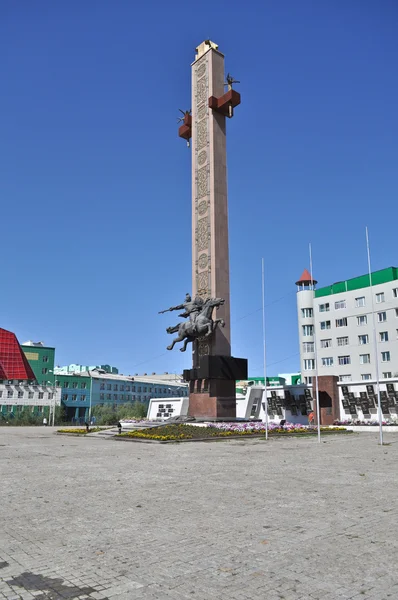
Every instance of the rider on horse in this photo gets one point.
(191, 308)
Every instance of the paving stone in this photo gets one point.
(237, 520)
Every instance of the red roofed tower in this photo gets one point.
(305, 313)
(13, 362)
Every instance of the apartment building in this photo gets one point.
(336, 321)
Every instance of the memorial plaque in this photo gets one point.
(280, 412)
(372, 402)
(279, 402)
(308, 405)
(384, 407)
(351, 397)
(365, 407)
(345, 403)
(344, 390)
(370, 390)
(390, 402)
(307, 394)
(390, 389)
(353, 409)
(383, 395)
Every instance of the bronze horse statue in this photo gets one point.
(202, 326)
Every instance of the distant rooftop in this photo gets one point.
(363, 281)
(36, 344)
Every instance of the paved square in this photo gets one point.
(234, 520)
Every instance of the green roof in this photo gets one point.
(349, 285)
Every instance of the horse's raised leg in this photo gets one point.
(187, 340)
(179, 338)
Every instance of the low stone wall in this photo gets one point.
(372, 428)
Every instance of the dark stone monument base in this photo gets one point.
(212, 392)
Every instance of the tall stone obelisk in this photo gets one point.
(210, 253)
(212, 379)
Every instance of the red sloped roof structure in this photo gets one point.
(13, 362)
(305, 278)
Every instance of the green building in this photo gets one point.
(41, 358)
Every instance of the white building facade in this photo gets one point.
(336, 327)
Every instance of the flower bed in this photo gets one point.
(220, 430)
(79, 431)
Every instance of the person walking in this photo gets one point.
(311, 418)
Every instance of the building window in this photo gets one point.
(20, 394)
(395, 293)
(325, 324)
(109, 396)
(30, 395)
(108, 386)
(66, 384)
(122, 388)
(307, 313)
(127, 388)
(74, 397)
(50, 396)
(133, 388)
(139, 389)
(40, 408)
(83, 385)
(380, 298)
(363, 339)
(57, 383)
(382, 317)
(308, 347)
(41, 395)
(364, 359)
(309, 364)
(362, 320)
(44, 371)
(383, 336)
(387, 375)
(115, 387)
(342, 341)
(345, 378)
(344, 360)
(327, 362)
(115, 397)
(308, 330)
(324, 307)
(102, 396)
(83, 397)
(326, 343)
(64, 397)
(74, 385)
(385, 357)
(341, 322)
(340, 304)
(396, 312)
(308, 380)
(366, 376)
(102, 386)
(360, 302)
(45, 358)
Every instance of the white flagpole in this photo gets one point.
(265, 355)
(318, 416)
(375, 345)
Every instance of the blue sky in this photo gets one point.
(95, 183)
